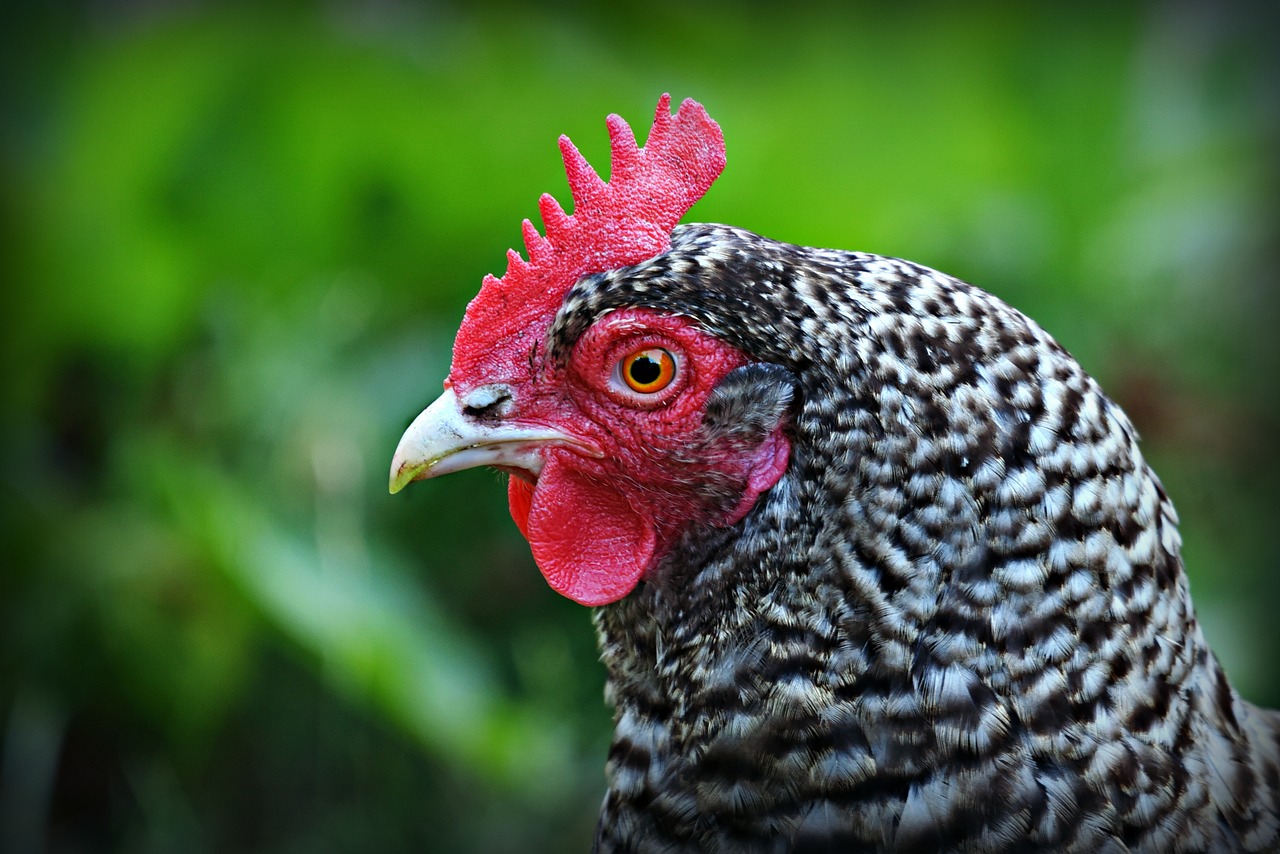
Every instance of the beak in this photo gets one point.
(443, 439)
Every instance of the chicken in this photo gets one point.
(876, 565)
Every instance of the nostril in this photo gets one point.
(489, 401)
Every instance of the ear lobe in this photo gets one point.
(766, 467)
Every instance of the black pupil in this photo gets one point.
(645, 370)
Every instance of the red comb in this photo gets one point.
(616, 223)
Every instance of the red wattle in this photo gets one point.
(588, 541)
(520, 499)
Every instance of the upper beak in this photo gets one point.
(443, 439)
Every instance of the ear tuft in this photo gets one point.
(750, 403)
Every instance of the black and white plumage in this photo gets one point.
(960, 620)
(879, 567)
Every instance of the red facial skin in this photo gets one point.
(597, 525)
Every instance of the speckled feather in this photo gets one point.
(959, 622)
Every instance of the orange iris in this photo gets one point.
(649, 370)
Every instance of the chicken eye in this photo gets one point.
(649, 370)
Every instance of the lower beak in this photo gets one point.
(443, 439)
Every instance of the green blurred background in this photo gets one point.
(237, 240)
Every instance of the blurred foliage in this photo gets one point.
(237, 240)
